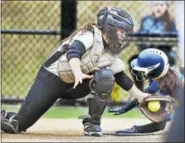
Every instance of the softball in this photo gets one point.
(154, 106)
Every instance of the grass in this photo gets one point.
(74, 112)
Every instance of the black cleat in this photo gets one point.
(3, 113)
(92, 130)
(8, 125)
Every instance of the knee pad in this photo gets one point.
(102, 83)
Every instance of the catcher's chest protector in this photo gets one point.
(94, 58)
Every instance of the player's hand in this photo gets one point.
(79, 78)
(144, 96)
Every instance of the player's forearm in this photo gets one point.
(151, 127)
(134, 91)
(123, 81)
(75, 66)
(127, 84)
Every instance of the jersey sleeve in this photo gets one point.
(87, 38)
(80, 43)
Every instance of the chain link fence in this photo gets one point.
(23, 54)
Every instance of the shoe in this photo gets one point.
(8, 125)
(3, 113)
(129, 130)
(92, 130)
(6, 114)
(92, 127)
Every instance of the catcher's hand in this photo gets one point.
(125, 108)
(163, 113)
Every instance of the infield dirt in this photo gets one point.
(71, 130)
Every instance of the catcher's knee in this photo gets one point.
(102, 83)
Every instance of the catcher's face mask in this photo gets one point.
(117, 24)
(117, 39)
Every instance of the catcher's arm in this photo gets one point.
(127, 84)
(139, 95)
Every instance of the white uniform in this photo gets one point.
(95, 57)
(86, 39)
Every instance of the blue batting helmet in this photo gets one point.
(150, 63)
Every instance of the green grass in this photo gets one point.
(74, 112)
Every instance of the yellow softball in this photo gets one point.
(154, 106)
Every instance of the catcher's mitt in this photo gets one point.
(167, 106)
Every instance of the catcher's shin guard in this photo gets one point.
(96, 109)
(92, 123)
(101, 87)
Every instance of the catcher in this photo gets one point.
(86, 63)
(165, 83)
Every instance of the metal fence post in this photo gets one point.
(68, 17)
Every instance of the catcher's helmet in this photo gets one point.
(109, 20)
(151, 63)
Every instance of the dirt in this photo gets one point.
(71, 130)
